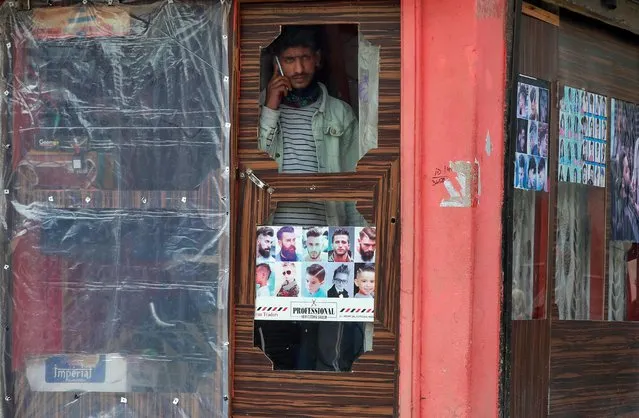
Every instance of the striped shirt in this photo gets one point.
(299, 157)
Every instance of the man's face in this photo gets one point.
(264, 243)
(314, 247)
(366, 248)
(340, 281)
(313, 284)
(365, 282)
(287, 243)
(261, 275)
(341, 246)
(299, 65)
(288, 271)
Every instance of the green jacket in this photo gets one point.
(336, 134)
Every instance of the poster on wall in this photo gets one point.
(315, 273)
(533, 101)
(624, 163)
(583, 137)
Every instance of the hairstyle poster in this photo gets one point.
(583, 137)
(533, 113)
(315, 273)
(624, 163)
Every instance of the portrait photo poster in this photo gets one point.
(533, 115)
(583, 137)
(624, 164)
(315, 273)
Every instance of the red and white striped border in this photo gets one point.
(354, 310)
(271, 309)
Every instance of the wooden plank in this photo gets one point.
(317, 394)
(625, 16)
(530, 370)
(539, 13)
(593, 369)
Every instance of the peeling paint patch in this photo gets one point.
(488, 9)
(489, 144)
(465, 193)
(478, 180)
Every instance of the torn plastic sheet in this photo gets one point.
(115, 151)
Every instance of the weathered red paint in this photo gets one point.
(453, 90)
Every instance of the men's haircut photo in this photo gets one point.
(315, 273)
(625, 170)
(531, 158)
(583, 137)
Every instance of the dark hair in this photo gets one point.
(368, 231)
(317, 271)
(542, 164)
(532, 165)
(265, 230)
(522, 91)
(343, 269)
(264, 265)
(341, 231)
(366, 267)
(533, 95)
(284, 229)
(295, 36)
(522, 161)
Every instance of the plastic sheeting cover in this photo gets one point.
(115, 147)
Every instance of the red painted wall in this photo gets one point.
(453, 90)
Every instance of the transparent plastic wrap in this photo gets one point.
(115, 139)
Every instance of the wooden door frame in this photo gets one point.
(377, 179)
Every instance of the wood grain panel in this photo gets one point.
(538, 49)
(594, 369)
(611, 64)
(368, 391)
(625, 16)
(529, 383)
(375, 187)
(79, 405)
(530, 340)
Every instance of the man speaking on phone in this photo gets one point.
(305, 129)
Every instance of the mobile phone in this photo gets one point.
(279, 66)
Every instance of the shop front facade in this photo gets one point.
(164, 255)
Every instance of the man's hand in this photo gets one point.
(278, 87)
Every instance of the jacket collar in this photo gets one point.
(324, 97)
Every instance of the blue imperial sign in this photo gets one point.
(70, 369)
